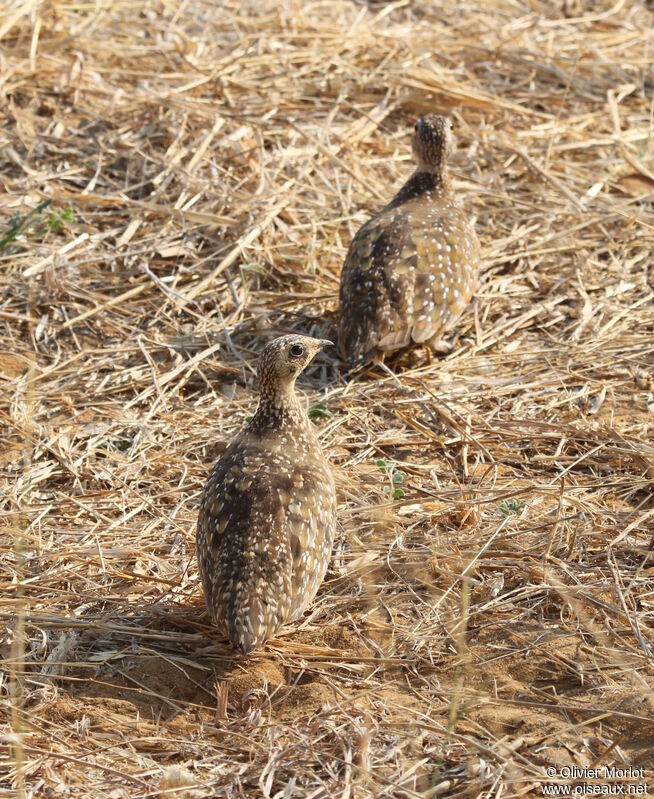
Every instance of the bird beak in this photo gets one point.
(325, 342)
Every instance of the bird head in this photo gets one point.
(432, 142)
(284, 358)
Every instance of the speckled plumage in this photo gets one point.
(268, 512)
(411, 269)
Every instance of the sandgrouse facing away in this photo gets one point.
(411, 269)
(268, 512)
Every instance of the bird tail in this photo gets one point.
(252, 621)
(245, 639)
(352, 343)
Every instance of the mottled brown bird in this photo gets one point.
(268, 513)
(411, 269)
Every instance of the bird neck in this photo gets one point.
(279, 406)
(435, 181)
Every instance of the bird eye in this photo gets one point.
(451, 125)
(297, 350)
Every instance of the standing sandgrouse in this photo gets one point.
(411, 269)
(268, 512)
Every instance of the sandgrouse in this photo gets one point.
(268, 512)
(411, 269)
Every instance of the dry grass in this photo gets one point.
(493, 621)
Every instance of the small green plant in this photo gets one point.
(249, 418)
(59, 219)
(509, 507)
(253, 266)
(320, 411)
(395, 478)
(21, 224)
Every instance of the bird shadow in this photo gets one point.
(165, 663)
(161, 660)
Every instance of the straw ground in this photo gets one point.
(180, 182)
